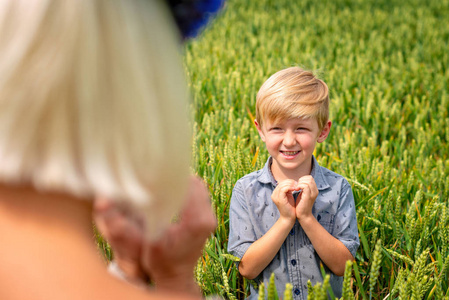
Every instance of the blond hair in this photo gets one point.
(93, 101)
(293, 93)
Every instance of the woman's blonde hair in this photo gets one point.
(93, 101)
(293, 93)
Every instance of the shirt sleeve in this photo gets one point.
(241, 230)
(345, 226)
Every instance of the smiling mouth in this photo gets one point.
(290, 153)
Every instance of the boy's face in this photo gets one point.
(291, 144)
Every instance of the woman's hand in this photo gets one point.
(125, 234)
(171, 259)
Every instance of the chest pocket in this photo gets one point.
(326, 220)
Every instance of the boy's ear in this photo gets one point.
(324, 132)
(259, 129)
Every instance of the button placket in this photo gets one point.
(293, 242)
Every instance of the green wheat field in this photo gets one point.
(386, 65)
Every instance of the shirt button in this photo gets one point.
(293, 261)
(297, 292)
(292, 232)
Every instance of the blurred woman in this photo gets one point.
(93, 103)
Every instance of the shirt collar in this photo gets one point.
(266, 177)
(318, 174)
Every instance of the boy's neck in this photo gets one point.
(281, 174)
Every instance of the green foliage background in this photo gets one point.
(386, 64)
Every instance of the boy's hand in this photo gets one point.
(283, 198)
(306, 198)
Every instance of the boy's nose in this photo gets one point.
(289, 139)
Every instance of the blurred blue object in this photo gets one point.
(192, 16)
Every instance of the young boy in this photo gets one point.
(293, 214)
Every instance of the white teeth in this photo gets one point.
(290, 152)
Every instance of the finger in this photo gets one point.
(196, 223)
(310, 182)
(306, 179)
(280, 195)
(119, 229)
(287, 186)
(303, 183)
(305, 191)
(103, 214)
(197, 214)
(112, 225)
(102, 204)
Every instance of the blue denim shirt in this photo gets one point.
(252, 213)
